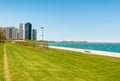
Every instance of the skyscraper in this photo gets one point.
(34, 34)
(20, 31)
(28, 31)
(11, 33)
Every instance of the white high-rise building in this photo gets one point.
(20, 31)
(7, 32)
(11, 33)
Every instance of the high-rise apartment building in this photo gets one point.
(28, 31)
(34, 34)
(7, 32)
(20, 31)
(11, 33)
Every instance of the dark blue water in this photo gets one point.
(110, 47)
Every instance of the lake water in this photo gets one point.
(110, 47)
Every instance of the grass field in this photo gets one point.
(1, 62)
(29, 64)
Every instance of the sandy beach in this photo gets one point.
(104, 53)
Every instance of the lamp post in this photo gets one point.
(42, 29)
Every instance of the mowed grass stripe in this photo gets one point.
(60, 65)
(26, 64)
(2, 78)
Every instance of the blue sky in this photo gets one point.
(90, 20)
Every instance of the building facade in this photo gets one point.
(11, 33)
(28, 31)
(21, 31)
(7, 32)
(34, 34)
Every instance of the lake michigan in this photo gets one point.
(109, 47)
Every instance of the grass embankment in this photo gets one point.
(2, 62)
(29, 64)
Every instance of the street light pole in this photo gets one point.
(42, 28)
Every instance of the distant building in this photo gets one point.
(11, 33)
(34, 34)
(7, 32)
(28, 31)
(20, 31)
(16, 34)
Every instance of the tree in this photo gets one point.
(2, 34)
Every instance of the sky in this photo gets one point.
(77, 20)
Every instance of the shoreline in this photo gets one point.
(86, 51)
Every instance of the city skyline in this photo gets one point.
(23, 32)
(82, 20)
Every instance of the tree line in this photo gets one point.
(2, 35)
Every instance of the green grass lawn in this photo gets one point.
(1, 62)
(29, 64)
